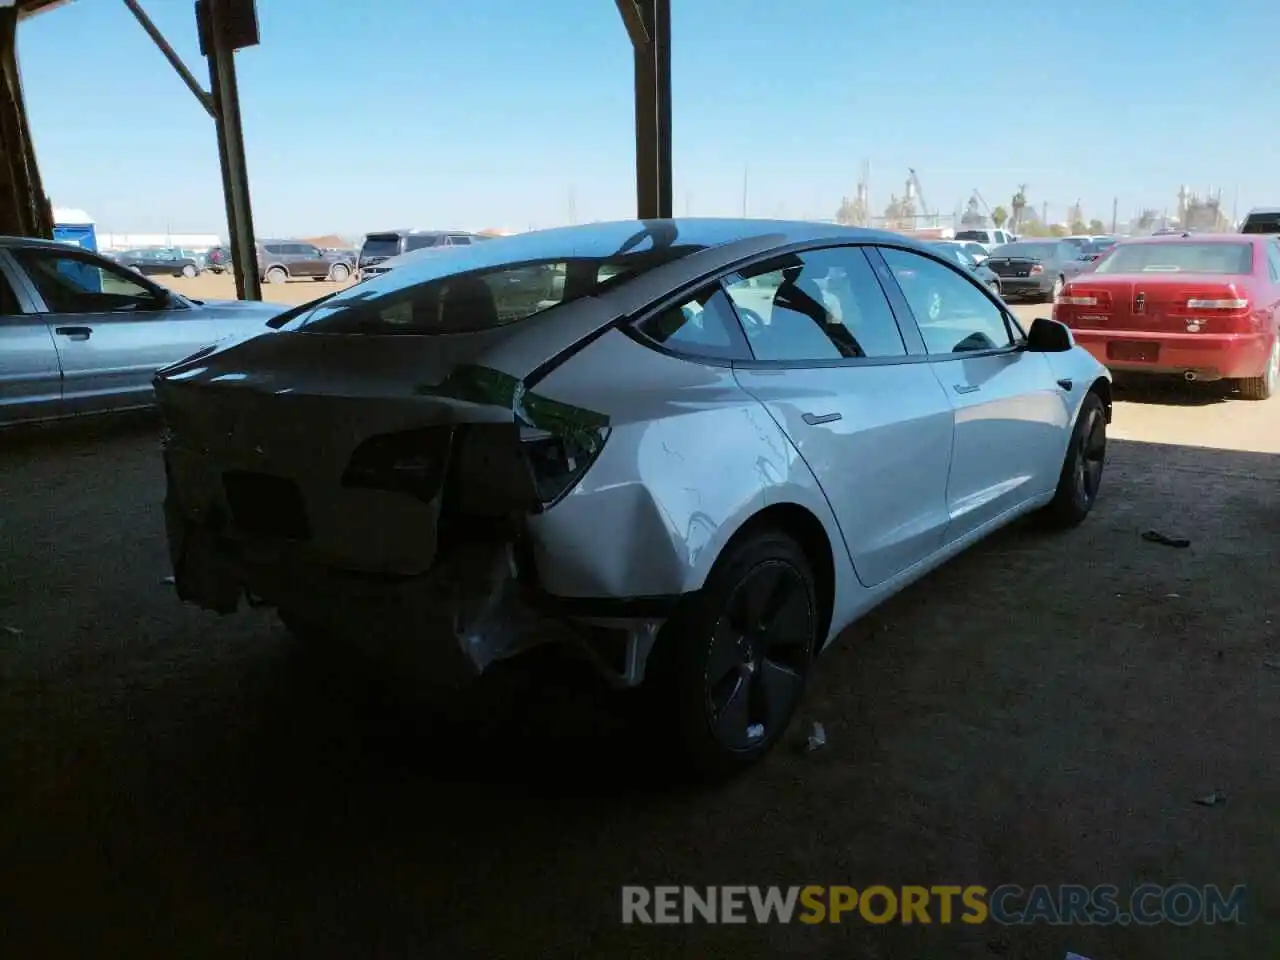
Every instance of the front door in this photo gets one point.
(30, 377)
(111, 332)
(874, 428)
(1011, 417)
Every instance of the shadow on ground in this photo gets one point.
(1044, 709)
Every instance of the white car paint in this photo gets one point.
(927, 455)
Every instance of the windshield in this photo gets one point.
(1179, 257)
(381, 245)
(1025, 251)
(1262, 223)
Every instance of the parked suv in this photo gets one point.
(282, 260)
(1262, 220)
(988, 238)
(391, 243)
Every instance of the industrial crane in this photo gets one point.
(914, 180)
(985, 206)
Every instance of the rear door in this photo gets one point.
(30, 377)
(871, 422)
(111, 332)
(1011, 416)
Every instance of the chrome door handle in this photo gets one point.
(813, 419)
(966, 388)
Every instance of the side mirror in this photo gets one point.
(1049, 336)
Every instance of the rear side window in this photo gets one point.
(421, 242)
(818, 305)
(705, 326)
(1262, 223)
(1179, 257)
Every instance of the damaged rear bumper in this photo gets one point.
(474, 608)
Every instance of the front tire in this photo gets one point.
(1081, 474)
(189, 271)
(1264, 387)
(729, 668)
(339, 273)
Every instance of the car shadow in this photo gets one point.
(1171, 391)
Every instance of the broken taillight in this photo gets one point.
(411, 462)
(557, 461)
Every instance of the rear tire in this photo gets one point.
(277, 275)
(729, 669)
(1265, 386)
(189, 271)
(1081, 475)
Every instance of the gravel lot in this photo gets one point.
(1045, 709)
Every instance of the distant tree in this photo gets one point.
(1079, 226)
(1057, 230)
(847, 212)
(1096, 226)
(999, 216)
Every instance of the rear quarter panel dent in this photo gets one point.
(690, 459)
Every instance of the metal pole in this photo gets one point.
(235, 176)
(1115, 215)
(171, 55)
(652, 60)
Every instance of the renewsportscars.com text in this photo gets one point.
(1063, 905)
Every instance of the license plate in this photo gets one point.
(1133, 351)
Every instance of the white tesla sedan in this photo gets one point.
(696, 450)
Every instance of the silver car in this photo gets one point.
(694, 450)
(81, 334)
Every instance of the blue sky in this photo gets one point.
(511, 113)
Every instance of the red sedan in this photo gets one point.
(1204, 307)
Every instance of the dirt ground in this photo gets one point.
(222, 286)
(1045, 709)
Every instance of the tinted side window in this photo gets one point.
(275, 248)
(1273, 261)
(952, 312)
(705, 326)
(818, 305)
(460, 241)
(8, 299)
(74, 285)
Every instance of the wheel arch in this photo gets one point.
(803, 526)
(1102, 387)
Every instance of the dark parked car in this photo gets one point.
(280, 261)
(165, 263)
(1096, 247)
(1037, 269)
(391, 243)
(956, 251)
